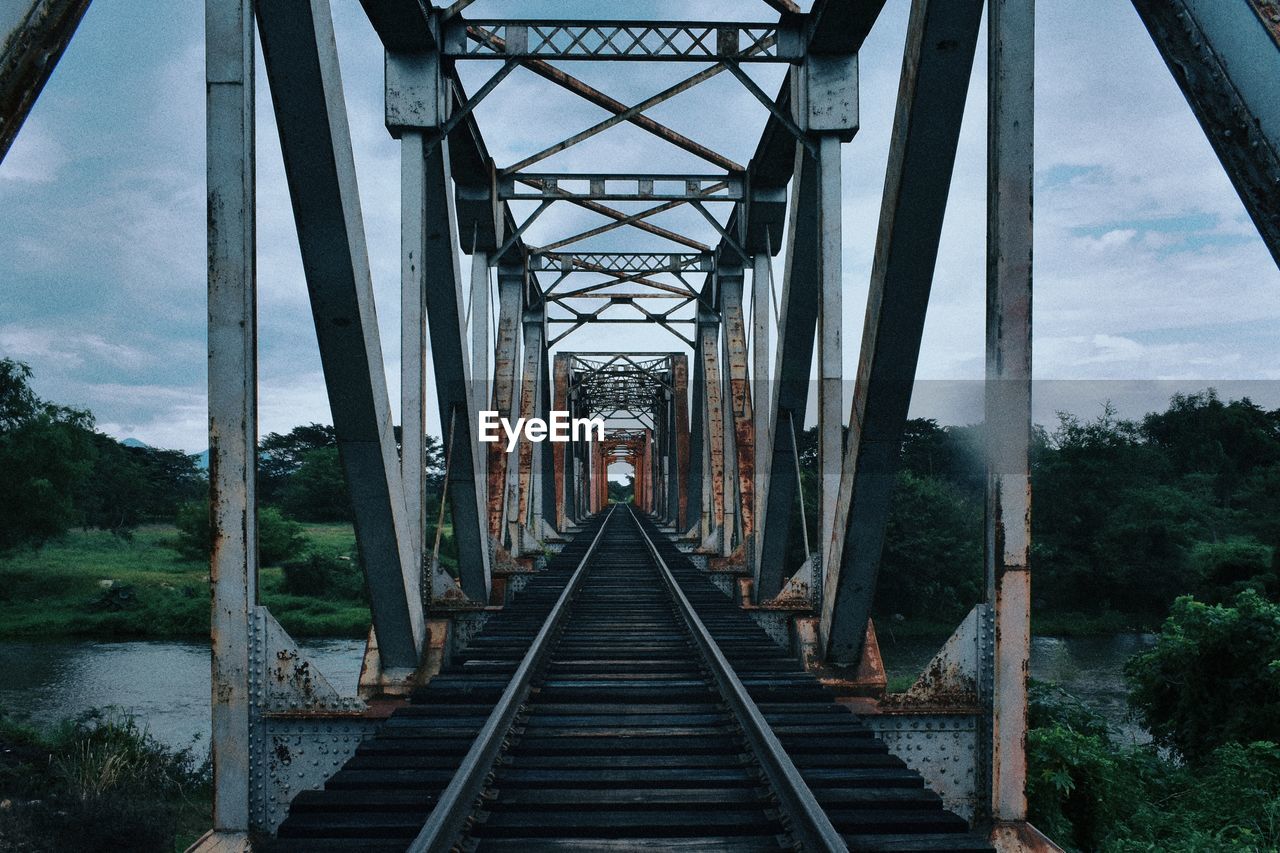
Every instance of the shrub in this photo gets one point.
(194, 538)
(278, 538)
(1224, 569)
(99, 783)
(1087, 792)
(322, 574)
(1213, 676)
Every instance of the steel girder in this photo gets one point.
(233, 400)
(1225, 55)
(1010, 189)
(797, 323)
(302, 69)
(28, 54)
(942, 37)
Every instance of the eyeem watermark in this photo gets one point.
(558, 429)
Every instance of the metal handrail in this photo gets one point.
(809, 823)
(457, 801)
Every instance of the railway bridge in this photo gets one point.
(675, 672)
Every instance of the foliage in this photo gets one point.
(129, 486)
(1213, 676)
(281, 455)
(317, 490)
(279, 538)
(322, 574)
(932, 560)
(45, 454)
(1088, 792)
(622, 493)
(98, 783)
(1224, 569)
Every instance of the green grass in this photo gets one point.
(65, 589)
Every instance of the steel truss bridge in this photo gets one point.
(599, 676)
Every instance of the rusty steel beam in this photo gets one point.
(233, 399)
(741, 409)
(713, 426)
(562, 403)
(28, 55)
(505, 362)
(306, 87)
(1010, 183)
(534, 326)
(680, 390)
(1225, 55)
(797, 325)
(941, 41)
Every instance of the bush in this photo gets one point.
(1225, 569)
(278, 538)
(1087, 792)
(99, 783)
(1213, 676)
(194, 539)
(322, 574)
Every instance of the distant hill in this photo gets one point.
(202, 460)
(133, 442)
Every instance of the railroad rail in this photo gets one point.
(621, 702)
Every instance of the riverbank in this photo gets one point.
(92, 584)
(99, 782)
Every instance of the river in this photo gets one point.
(166, 685)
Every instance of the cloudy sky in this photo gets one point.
(1147, 267)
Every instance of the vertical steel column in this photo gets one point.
(696, 512)
(549, 500)
(680, 391)
(830, 356)
(233, 395)
(1010, 172)
(563, 452)
(481, 347)
(735, 335)
(413, 340)
(761, 300)
(797, 321)
(507, 348)
(534, 324)
(713, 475)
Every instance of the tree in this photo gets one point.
(932, 559)
(132, 485)
(280, 456)
(279, 539)
(1213, 676)
(317, 491)
(45, 455)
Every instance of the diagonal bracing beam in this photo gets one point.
(1225, 54)
(306, 88)
(28, 55)
(942, 37)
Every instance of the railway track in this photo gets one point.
(621, 703)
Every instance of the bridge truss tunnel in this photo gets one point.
(687, 252)
(685, 248)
